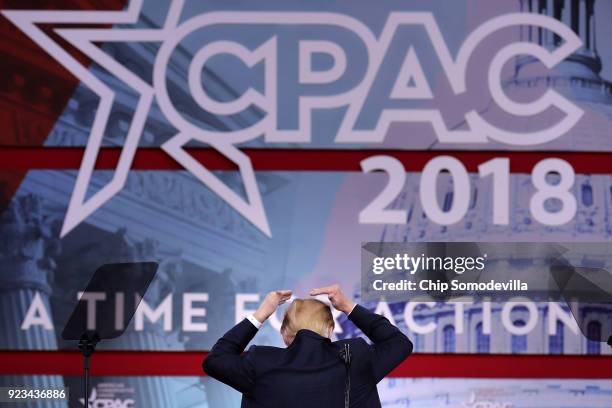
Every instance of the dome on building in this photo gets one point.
(577, 78)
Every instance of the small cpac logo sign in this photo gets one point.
(474, 402)
(355, 88)
(95, 402)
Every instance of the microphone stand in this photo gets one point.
(87, 345)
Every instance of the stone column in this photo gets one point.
(566, 13)
(538, 32)
(550, 12)
(27, 248)
(583, 21)
(592, 33)
(530, 29)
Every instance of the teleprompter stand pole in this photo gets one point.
(87, 345)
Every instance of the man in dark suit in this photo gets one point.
(311, 372)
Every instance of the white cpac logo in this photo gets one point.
(475, 403)
(95, 402)
(172, 33)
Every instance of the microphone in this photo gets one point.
(345, 356)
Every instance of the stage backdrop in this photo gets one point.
(251, 146)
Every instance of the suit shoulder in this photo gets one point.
(263, 357)
(265, 350)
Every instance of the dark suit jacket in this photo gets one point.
(309, 373)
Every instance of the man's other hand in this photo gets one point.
(271, 302)
(338, 300)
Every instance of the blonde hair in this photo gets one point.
(310, 314)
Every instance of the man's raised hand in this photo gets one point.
(338, 300)
(271, 302)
